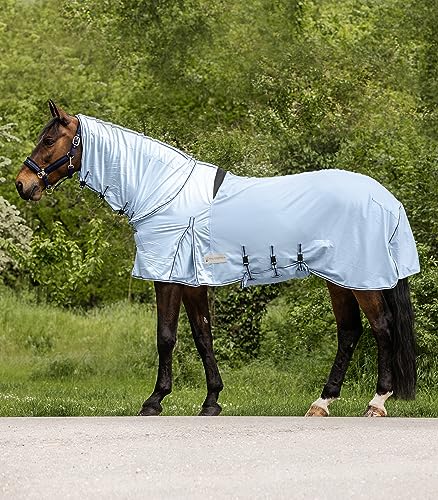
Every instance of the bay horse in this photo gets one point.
(70, 144)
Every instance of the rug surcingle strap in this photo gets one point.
(122, 211)
(274, 262)
(83, 182)
(245, 260)
(300, 257)
(102, 195)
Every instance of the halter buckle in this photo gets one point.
(76, 141)
(41, 174)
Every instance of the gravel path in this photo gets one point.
(220, 457)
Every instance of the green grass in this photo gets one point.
(57, 363)
(267, 393)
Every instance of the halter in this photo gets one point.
(44, 173)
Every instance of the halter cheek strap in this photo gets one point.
(44, 173)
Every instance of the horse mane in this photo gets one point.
(53, 124)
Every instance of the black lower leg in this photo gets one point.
(196, 304)
(384, 359)
(166, 340)
(347, 342)
(349, 324)
(168, 306)
(379, 316)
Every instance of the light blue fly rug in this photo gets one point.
(341, 226)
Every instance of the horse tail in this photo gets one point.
(404, 370)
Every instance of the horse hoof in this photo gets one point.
(373, 411)
(150, 410)
(316, 411)
(210, 411)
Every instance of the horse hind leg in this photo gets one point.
(379, 316)
(376, 407)
(195, 301)
(392, 321)
(349, 327)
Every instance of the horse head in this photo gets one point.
(56, 156)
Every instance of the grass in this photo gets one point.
(57, 363)
(281, 396)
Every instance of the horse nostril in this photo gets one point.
(19, 186)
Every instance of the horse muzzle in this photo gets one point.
(28, 186)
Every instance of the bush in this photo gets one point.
(236, 318)
(15, 235)
(424, 288)
(300, 324)
(62, 271)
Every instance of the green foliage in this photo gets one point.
(46, 341)
(237, 315)
(40, 342)
(57, 362)
(62, 270)
(424, 289)
(15, 238)
(300, 323)
(14, 233)
(63, 367)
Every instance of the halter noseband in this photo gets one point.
(44, 173)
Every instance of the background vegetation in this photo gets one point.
(259, 88)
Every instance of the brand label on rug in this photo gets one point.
(215, 258)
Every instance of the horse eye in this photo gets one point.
(48, 141)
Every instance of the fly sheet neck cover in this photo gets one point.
(338, 225)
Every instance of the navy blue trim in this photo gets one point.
(178, 245)
(155, 210)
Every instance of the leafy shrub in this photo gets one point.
(258, 88)
(299, 324)
(236, 318)
(62, 271)
(424, 288)
(15, 235)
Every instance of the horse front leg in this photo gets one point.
(196, 304)
(349, 325)
(168, 297)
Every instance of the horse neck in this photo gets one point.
(129, 165)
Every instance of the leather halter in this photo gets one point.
(44, 173)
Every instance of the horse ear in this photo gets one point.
(59, 113)
(53, 109)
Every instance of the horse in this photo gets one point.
(187, 251)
